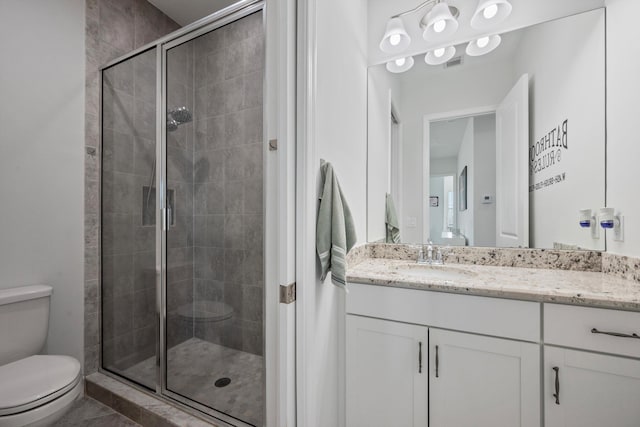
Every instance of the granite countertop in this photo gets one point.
(532, 284)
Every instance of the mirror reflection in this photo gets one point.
(502, 149)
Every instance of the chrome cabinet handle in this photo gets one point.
(437, 363)
(615, 334)
(557, 393)
(420, 357)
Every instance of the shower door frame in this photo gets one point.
(272, 385)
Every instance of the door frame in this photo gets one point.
(427, 119)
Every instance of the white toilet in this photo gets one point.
(35, 390)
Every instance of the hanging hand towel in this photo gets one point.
(335, 232)
(391, 221)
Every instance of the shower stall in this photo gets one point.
(182, 217)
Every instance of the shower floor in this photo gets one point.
(195, 365)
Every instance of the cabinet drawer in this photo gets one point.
(584, 327)
(481, 315)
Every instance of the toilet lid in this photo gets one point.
(36, 380)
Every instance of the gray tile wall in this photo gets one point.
(180, 179)
(128, 247)
(228, 180)
(113, 28)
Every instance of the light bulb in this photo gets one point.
(482, 42)
(439, 26)
(394, 39)
(490, 11)
(400, 62)
(438, 52)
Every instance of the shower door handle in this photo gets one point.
(166, 219)
(169, 217)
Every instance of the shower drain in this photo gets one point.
(222, 382)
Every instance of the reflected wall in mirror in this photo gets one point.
(526, 124)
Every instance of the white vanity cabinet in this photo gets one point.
(407, 370)
(586, 389)
(387, 378)
(482, 381)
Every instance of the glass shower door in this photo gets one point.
(128, 239)
(214, 239)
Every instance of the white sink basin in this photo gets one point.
(437, 272)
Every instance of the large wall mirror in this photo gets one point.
(498, 150)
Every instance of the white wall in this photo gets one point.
(340, 127)
(623, 110)
(383, 90)
(41, 158)
(571, 88)
(484, 179)
(451, 90)
(466, 222)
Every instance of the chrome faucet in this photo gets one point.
(425, 254)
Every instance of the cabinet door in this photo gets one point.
(387, 381)
(595, 390)
(481, 381)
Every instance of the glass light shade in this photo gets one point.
(434, 20)
(478, 47)
(400, 65)
(431, 58)
(489, 13)
(395, 38)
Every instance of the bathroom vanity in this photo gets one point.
(473, 345)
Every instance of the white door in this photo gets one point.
(595, 390)
(512, 168)
(480, 381)
(387, 381)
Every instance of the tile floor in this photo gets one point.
(88, 412)
(193, 368)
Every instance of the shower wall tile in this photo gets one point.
(91, 230)
(253, 89)
(233, 59)
(113, 29)
(233, 94)
(234, 129)
(253, 125)
(91, 297)
(121, 20)
(228, 174)
(144, 119)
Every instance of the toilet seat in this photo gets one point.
(35, 381)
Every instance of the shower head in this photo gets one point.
(181, 115)
(171, 124)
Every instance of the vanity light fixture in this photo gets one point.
(483, 45)
(490, 13)
(440, 22)
(440, 55)
(400, 65)
(396, 39)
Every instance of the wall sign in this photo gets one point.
(546, 154)
(433, 201)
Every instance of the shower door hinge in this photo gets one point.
(273, 144)
(288, 293)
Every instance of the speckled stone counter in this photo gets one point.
(550, 284)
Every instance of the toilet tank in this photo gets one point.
(24, 321)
